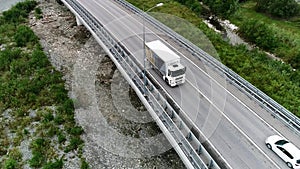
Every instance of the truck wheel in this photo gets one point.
(166, 80)
(269, 146)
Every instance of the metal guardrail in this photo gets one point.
(184, 138)
(292, 121)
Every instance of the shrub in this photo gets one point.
(84, 164)
(19, 67)
(59, 119)
(75, 142)
(14, 15)
(59, 92)
(7, 56)
(278, 8)
(61, 137)
(47, 117)
(222, 8)
(26, 6)
(194, 5)
(284, 8)
(25, 131)
(76, 131)
(295, 59)
(39, 144)
(15, 154)
(260, 34)
(68, 107)
(37, 160)
(38, 13)
(52, 130)
(25, 35)
(57, 164)
(38, 59)
(10, 164)
(19, 12)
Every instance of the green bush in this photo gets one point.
(75, 142)
(38, 13)
(59, 92)
(15, 154)
(25, 35)
(76, 131)
(278, 8)
(260, 34)
(61, 137)
(10, 164)
(68, 106)
(37, 160)
(38, 144)
(38, 59)
(14, 15)
(84, 164)
(52, 131)
(26, 6)
(47, 117)
(291, 56)
(7, 56)
(57, 164)
(222, 8)
(284, 8)
(194, 5)
(18, 13)
(59, 119)
(39, 148)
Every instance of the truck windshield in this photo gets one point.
(177, 72)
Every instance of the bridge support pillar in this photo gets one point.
(78, 21)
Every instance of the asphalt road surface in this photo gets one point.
(232, 122)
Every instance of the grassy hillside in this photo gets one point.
(286, 32)
(36, 116)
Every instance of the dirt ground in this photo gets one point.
(101, 95)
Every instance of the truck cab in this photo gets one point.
(175, 74)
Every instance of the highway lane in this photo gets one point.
(234, 129)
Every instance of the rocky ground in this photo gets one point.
(104, 102)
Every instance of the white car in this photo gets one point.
(285, 150)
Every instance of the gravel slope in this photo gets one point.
(89, 76)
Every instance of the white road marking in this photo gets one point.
(216, 82)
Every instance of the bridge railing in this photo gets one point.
(182, 139)
(276, 110)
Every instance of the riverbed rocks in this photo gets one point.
(88, 73)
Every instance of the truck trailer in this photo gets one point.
(166, 62)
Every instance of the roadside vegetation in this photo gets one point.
(34, 103)
(278, 80)
(280, 36)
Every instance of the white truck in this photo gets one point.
(166, 62)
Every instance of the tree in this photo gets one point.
(194, 5)
(278, 8)
(284, 8)
(260, 34)
(222, 8)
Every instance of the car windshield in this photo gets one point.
(281, 142)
